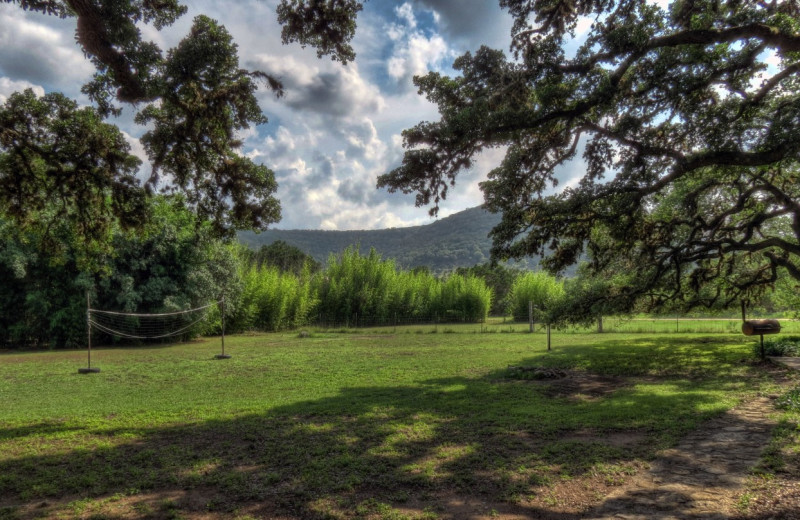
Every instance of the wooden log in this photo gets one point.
(760, 327)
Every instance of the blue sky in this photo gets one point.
(337, 128)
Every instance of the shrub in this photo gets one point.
(790, 401)
(785, 346)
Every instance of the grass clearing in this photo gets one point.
(369, 424)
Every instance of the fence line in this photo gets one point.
(611, 324)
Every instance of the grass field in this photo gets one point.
(413, 422)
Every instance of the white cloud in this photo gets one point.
(414, 53)
(39, 52)
(8, 86)
(324, 88)
(418, 55)
(337, 128)
(406, 13)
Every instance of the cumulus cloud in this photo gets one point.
(414, 53)
(336, 91)
(471, 23)
(8, 86)
(40, 52)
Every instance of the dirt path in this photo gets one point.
(702, 476)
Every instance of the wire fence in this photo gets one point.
(454, 322)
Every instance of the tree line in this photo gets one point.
(177, 262)
(685, 117)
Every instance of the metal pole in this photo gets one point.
(548, 336)
(88, 332)
(222, 316)
(530, 316)
(88, 369)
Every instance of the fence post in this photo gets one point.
(89, 369)
(548, 336)
(530, 316)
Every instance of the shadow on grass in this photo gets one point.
(447, 448)
(683, 356)
(43, 428)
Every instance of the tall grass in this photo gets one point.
(353, 290)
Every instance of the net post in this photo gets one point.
(530, 316)
(88, 369)
(222, 315)
(548, 336)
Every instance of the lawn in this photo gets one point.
(403, 423)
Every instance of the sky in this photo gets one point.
(338, 126)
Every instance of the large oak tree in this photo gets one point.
(688, 136)
(687, 121)
(194, 98)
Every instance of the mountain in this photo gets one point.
(460, 240)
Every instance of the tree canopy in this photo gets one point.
(686, 120)
(193, 100)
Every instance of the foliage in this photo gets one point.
(464, 298)
(789, 401)
(285, 257)
(543, 290)
(780, 346)
(207, 98)
(61, 165)
(171, 264)
(690, 144)
(328, 26)
(42, 298)
(499, 278)
(271, 299)
(193, 100)
(355, 288)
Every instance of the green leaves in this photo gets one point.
(206, 99)
(328, 25)
(195, 99)
(62, 168)
(654, 102)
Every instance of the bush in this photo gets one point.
(790, 401)
(788, 346)
(544, 290)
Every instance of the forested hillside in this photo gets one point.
(460, 240)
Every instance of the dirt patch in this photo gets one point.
(618, 439)
(583, 385)
(562, 383)
(777, 497)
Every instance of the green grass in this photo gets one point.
(359, 425)
(611, 324)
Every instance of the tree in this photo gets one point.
(285, 257)
(170, 264)
(194, 99)
(690, 141)
(540, 288)
(499, 278)
(60, 164)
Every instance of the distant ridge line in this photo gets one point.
(458, 240)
